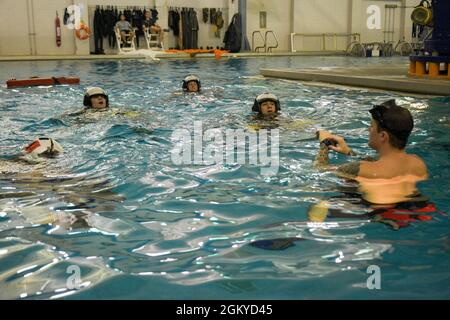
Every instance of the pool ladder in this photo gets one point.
(265, 46)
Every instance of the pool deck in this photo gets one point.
(163, 55)
(391, 78)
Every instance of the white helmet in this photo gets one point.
(94, 91)
(265, 97)
(189, 79)
(43, 146)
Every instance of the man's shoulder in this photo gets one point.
(418, 164)
(369, 169)
(413, 164)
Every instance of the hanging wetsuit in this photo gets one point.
(205, 12)
(154, 14)
(128, 15)
(170, 19)
(176, 23)
(219, 23)
(183, 35)
(186, 32)
(105, 22)
(212, 16)
(137, 23)
(112, 17)
(194, 28)
(189, 28)
(233, 35)
(98, 31)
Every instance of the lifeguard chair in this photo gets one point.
(129, 44)
(153, 40)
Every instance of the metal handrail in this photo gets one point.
(269, 48)
(324, 36)
(253, 41)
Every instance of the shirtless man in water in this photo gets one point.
(389, 131)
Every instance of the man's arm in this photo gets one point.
(350, 169)
(322, 159)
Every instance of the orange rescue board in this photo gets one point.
(14, 83)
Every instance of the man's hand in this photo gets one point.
(341, 146)
(322, 135)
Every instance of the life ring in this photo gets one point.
(86, 34)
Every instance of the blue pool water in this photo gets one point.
(145, 228)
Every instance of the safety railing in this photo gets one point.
(324, 37)
(404, 48)
(256, 49)
(269, 48)
(266, 47)
(370, 49)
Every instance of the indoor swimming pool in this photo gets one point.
(116, 213)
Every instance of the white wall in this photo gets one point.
(17, 41)
(307, 16)
(348, 16)
(16, 25)
(278, 13)
(321, 16)
(18, 34)
(360, 20)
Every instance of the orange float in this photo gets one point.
(14, 83)
(193, 52)
(84, 32)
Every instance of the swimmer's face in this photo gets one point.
(147, 14)
(192, 86)
(375, 136)
(268, 107)
(98, 101)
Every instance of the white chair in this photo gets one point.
(128, 44)
(153, 40)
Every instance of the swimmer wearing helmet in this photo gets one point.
(267, 105)
(191, 84)
(267, 115)
(32, 158)
(97, 100)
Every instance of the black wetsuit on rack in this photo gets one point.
(173, 22)
(194, 28)
(111, 18)
(176, 23)
(137, 23)
(98, 31)
(105, 22)
(186, 31)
